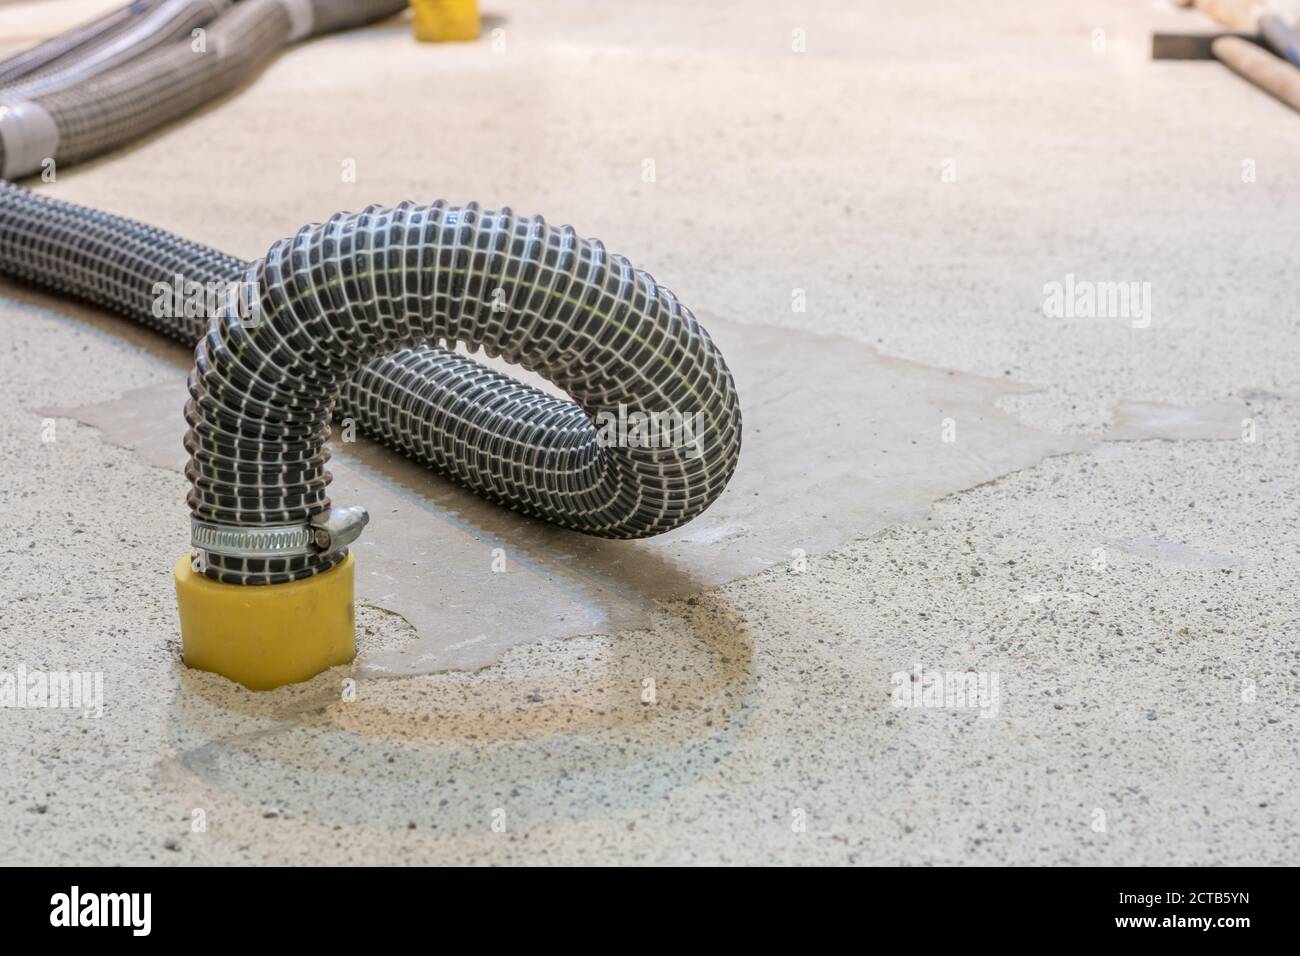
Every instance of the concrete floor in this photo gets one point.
(922, 171)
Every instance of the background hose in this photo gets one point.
(164, 80)
(59, 49)
(168, 21)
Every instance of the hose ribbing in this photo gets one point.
(174, 78)
(348, 310)
(359, 286)
(58, 50)
(108, 260)
(168, 21)
(360, 313)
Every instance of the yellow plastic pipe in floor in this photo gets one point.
(438, 21)
(265, 636)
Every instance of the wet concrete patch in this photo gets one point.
(1178, 554)
(840, 442)
(1142, 421)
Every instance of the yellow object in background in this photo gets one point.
(437, 21)
(268, 635)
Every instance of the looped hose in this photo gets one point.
(386, 282)
(359, 317)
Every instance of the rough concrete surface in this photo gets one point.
(825, 459)
(923, 173)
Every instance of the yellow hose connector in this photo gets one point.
(437, 21)
(265, 636)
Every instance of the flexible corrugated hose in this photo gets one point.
(60, 49)
(164, 80)
(167, 21)
(359, 315)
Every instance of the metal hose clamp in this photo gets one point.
(328, 531)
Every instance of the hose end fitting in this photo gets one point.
(266, 636)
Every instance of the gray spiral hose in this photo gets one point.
(168, 21)
(359, 286)
(347, 311)
(167, 80)
(361, 313)
(58, 50)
